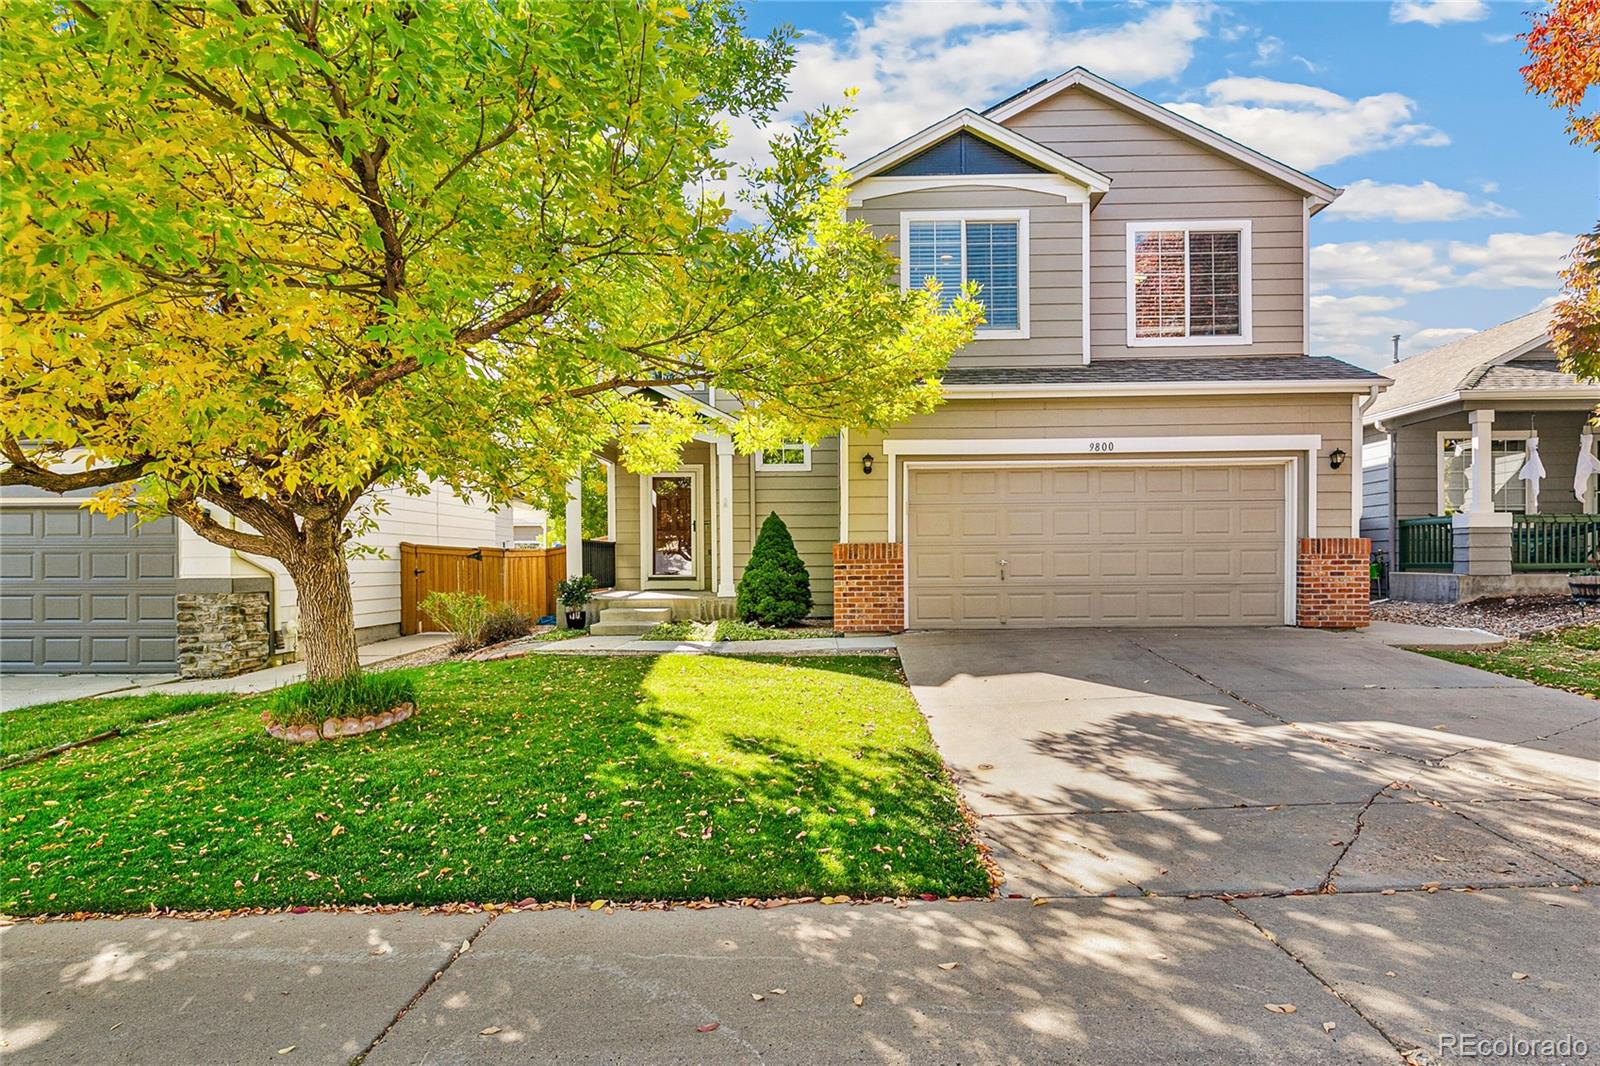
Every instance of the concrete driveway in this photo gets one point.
(1249, 761)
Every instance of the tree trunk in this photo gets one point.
(327, 613)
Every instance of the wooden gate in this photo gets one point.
(524, 576)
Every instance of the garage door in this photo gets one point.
(1095, 545)
(83, 593)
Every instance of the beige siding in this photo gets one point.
(808, 503)
(1158, 175)
(1416, 459)
(1328, 416)
(1055, 269)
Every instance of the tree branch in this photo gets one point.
(21, 470)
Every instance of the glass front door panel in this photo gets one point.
(673, 546)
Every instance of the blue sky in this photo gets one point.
(1462, 190)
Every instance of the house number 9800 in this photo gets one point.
(1102, 446)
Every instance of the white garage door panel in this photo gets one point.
(1113, 545)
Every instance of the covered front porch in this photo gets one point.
(1531, 524)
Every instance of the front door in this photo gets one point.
(672, 547)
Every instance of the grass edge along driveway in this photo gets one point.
(545, 777)
(1566, 658)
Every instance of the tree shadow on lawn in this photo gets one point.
(545, 777)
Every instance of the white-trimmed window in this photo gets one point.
(986, 247)
(1188, 283)
(790, 455)
(1510, 451)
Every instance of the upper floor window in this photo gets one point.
(986, 247)
(1188, 283)
(790, 455)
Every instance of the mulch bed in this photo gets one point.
(1515, 616)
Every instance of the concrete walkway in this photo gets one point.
(1432, 638)
(25, 690)
(635, 646)
(1113, 981)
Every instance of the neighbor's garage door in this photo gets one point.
(82, 593)
(1090, 545)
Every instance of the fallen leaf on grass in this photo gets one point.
(1281, 1008)
(597, 904)
(709, 1028)
(286, 1050)
(493, 1029)
(778, 991)
(757, 996)
(948, 965)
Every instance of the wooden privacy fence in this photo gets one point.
(524, 576)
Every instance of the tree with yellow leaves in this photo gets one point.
(264, 256)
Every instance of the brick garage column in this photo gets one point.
(1335, 583)
(869, 588)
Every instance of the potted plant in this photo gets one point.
(574, 594)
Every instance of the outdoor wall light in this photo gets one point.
(1336, 458)
(866, 463)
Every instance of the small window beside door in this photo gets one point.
(790, 455)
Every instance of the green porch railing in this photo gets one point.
(1554, 541)
(1427, 543)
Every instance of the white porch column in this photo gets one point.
(575, 527)
(1481, 485)
(724, 516)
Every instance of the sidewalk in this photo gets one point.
(25, 690)
(1112, 981)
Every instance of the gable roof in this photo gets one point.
(1476, 363)
(1320, 192)
(991, 131)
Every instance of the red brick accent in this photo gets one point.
(869, 588)
(1335, 583)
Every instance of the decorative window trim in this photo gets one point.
(796, 468)
(1187, 226)
(1017, 215)
(1438, 456)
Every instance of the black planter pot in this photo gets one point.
(577, 618)
(1585, 589)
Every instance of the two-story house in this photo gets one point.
(1137, 436)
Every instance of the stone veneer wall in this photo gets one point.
(869, 591)
(221, 633)
(1335, 583)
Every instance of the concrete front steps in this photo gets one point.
(629, 621)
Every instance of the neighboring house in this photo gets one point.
(1137, 436)
(1467, 414)
(82, 593)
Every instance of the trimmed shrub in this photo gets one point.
(461, 613)
(505, 621)
(313, 702)
(775, 589)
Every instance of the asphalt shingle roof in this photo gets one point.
(1520, 376)
(1135, 371)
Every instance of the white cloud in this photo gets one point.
(1499, 38)
(1425, 339)
(1409, 266)
(1513, 260)
(914, 63)
(1501, 261)
(1438, 12)
(1424, 202)
(1356, 328)
(1307, 126)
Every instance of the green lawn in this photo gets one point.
(30, 730)
(552, 777)
(1565, 658)
(729, 629)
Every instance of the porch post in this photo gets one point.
(1482, 483)
(725, 516)
(575, 527)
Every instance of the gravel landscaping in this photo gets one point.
(1516, 616)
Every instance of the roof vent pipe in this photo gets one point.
(1395, 340)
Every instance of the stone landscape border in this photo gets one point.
(332, 728)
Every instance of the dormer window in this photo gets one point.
(989, 248)
(1188, 283)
